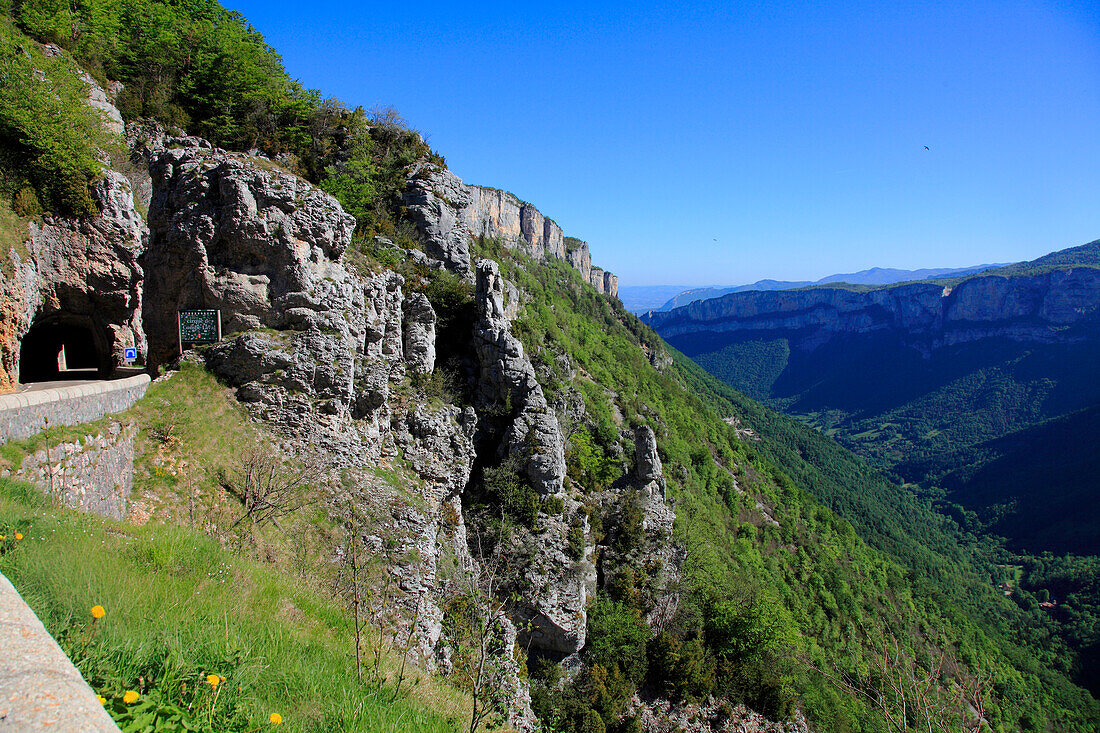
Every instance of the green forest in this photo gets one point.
(995, 435)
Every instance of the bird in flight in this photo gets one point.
(927, 148)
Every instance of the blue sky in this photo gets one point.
(721, 143)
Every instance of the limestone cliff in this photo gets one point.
(448, 213)
(77, 275)
(928, 316)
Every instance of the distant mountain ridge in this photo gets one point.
(939, 382)
(872, 276)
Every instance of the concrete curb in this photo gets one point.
(40, 688)
(23, 414)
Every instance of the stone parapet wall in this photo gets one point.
(24, 414)
(40, 688)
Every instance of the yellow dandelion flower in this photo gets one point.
(275, 719)
(213, 680)
(102, 700)
(1, 536)
(98, 612)
(130, 697)
(18, 536)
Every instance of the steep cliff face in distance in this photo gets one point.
(924, 379)
(873, 276)
(926, 315)
(449, 213)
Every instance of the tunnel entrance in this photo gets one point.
(61, 349)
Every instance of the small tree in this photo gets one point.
(267, 487)
(475, 628)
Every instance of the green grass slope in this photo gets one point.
(187, 594)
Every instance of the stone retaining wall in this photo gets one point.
(94, 475)
(40, 689)
(23, 414)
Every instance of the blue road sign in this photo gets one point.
(129, 354)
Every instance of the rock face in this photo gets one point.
(419, 327)
(643, 493)
(229, 233)
(435, 199)
(707, 716)
(449, 213)
(1021, 308)
(79, 274)
(553, 607)
(647, 461)
(508, 377)
(318, 353)
(657, 515)
(581, 260)
(77, 278)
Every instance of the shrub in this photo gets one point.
(25, 203)
(576, 541)
(617, 637)
(506, 486)
(51, 134)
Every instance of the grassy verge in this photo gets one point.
(179, 608)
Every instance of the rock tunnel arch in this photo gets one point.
(60, 347)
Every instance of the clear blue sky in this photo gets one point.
(791, 133)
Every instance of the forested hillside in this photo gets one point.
(512, 481)
(980, 395)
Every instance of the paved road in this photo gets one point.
(76, 377)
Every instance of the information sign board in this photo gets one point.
(200, 326)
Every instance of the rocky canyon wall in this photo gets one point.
(1022, 308)
(449, 213)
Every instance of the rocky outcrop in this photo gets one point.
(78, 274)
(580, 260)
(318, 352)
(552, 609)
(604, 282)
(708, 716)
(419, 328)
(611, 284)
(234, 233)
(657, 515)
(928, 316)
(647, 461)
(507, 377)
(643, 549)
(448, 214)
(435, 199)
(313, 348)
